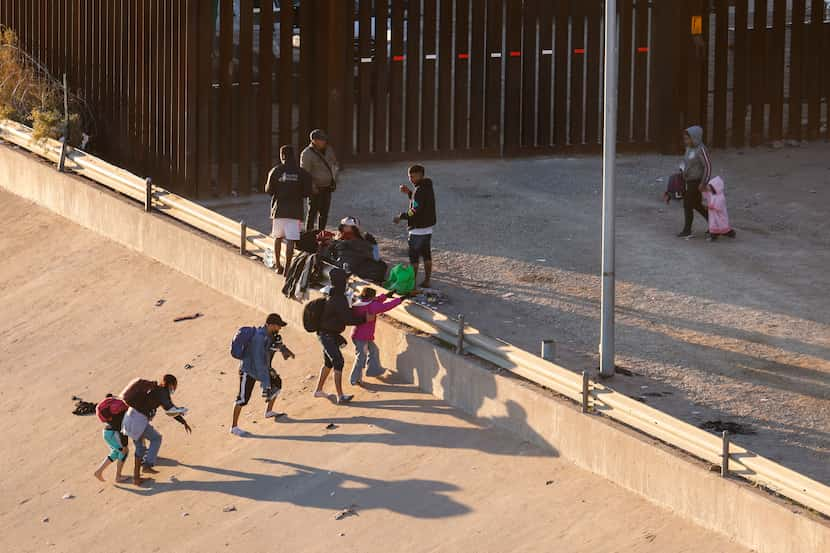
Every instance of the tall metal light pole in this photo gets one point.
(609, 154)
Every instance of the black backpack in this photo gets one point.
(313, 314)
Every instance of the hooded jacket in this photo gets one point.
(375, 306)
(337, 314)
(421, 212)
(696, 163)
(288, 185)
(716, 202)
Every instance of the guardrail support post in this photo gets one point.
(459, 346)
(243, 237)
(148, 195)
(65, 125)
(548, 350)
(585, 388)
(724, 462)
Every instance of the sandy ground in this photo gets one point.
(736, 330)
(80, 318)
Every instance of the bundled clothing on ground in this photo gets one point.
(359, 255)
(363, 336)
(299, 275)
(715, 199)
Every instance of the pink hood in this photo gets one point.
(366, 331)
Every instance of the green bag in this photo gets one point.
(401, 279)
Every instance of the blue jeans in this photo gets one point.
(366, 352)
(142, 453)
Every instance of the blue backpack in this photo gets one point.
(241, 340)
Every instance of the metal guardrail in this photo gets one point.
(603, 400)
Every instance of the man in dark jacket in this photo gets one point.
(421, 219)
(288, 186)
(336, 316)
(149, 397)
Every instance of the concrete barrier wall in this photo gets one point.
(624, 457)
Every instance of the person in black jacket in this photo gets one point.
(421, 219)
(288, 186)
(336, 316)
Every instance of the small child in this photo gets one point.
(363, 336)
(718, 215)
(111, 412)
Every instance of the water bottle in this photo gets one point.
(269, 258)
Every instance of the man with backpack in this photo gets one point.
(288, 185)
(328, 318)
(255, 348)
(144, 397)
(318, 159)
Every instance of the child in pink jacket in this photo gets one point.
(363, 335)
(715, 199)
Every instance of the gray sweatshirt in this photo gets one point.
(696, 163)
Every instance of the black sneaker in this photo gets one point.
(685, 234)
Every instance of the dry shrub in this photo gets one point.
(30, 95)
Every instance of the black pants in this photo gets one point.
(318, 210)
(693, 200)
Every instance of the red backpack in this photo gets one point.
(109, 408)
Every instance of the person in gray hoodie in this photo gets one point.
(696, 169)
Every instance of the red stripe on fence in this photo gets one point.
(579, 50)
(398, 58)
(515, 54)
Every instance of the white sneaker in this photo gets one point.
(321, 394)
(236, 431)
(271, 414)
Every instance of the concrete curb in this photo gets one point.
(679, 483)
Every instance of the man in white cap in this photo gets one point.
(318, 158)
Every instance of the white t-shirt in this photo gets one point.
(420, 231)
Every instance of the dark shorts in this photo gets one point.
(420, 247)
(332, 356)
(246, 387)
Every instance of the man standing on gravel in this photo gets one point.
(421, 219)
(318, 159)
(288, 185)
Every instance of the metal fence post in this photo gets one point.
(243, 237)
(148, 194)
(724, 462)
(65, 125)
(548, 350)
(585, 388)
(459, 346)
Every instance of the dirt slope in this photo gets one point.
(79, 316)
